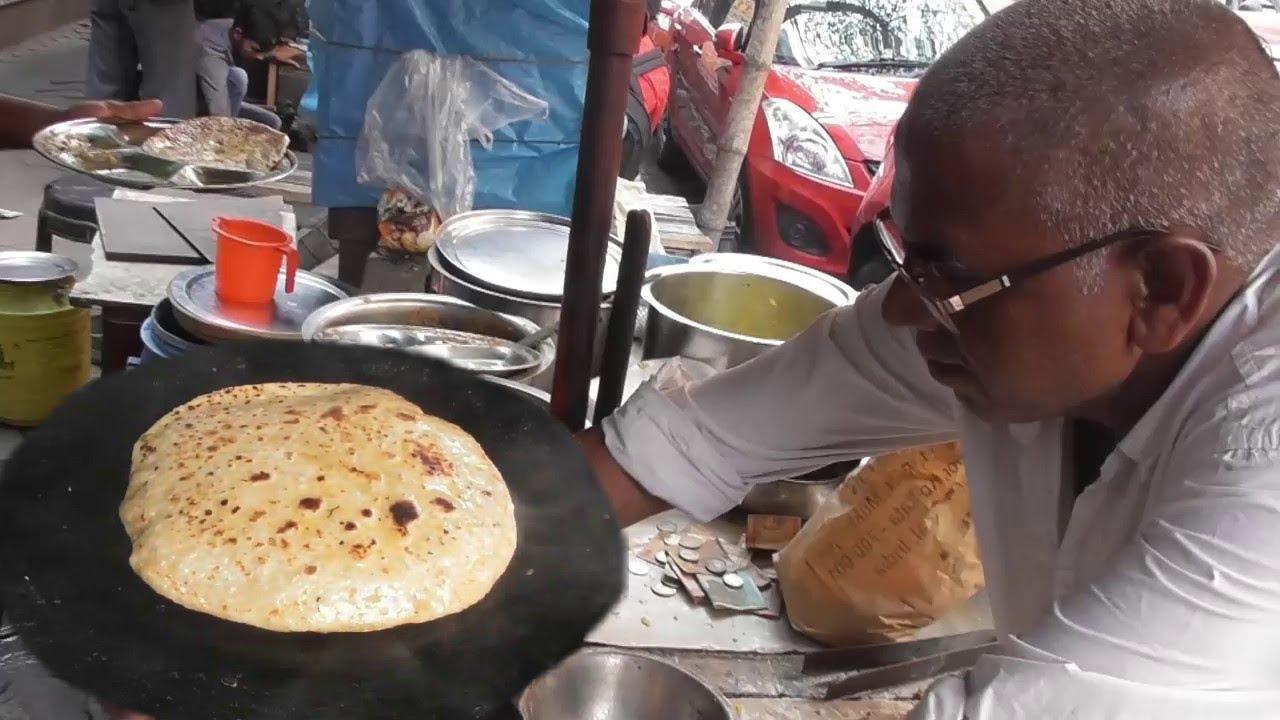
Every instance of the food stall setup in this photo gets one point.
(141, 563)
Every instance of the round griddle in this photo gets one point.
(84, 613)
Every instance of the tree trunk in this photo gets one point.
(761, 44)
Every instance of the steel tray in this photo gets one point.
(112, 153)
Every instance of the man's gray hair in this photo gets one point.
(1120, 113)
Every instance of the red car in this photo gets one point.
(840, 80)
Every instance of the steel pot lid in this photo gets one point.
(515, 252)
(199, 311)
(20, 267)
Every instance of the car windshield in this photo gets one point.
(871, 33)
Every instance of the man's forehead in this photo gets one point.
(949, 180)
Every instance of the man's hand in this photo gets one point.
(112, 111)
(287, 55)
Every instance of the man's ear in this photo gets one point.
(1173, 277)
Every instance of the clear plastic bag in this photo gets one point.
(419, 124)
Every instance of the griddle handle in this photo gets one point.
(622, 319)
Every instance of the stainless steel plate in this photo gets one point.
(199, 311)
(112, 153)
(470, 351)
(515, 252)
(22, 267)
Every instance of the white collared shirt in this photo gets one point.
(1162, 599)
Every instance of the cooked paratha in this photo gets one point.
(220, 142)
(316, 508)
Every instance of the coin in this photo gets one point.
(669, 578)
(689, 555)
(732, 580)
(691, 542)
(661, 589)
(672, 540)
(663, 557)
(716, 566)
(638, 567)
(667, 526)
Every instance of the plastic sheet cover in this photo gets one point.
(538, 45)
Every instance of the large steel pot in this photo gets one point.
(420, 309)
(725, 315)
(778, 268)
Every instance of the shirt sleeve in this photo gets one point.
(1184, 622)
(850, 386)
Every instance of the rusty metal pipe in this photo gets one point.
(613, 38)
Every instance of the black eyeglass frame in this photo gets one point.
(944, 308)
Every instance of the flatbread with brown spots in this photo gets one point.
(220, 142)
(316, 508)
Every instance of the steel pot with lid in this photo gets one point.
(199, 311)
(515, 253)
(45, 347)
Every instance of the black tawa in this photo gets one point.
(64, 559)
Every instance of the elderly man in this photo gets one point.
(1087, 202)
(1083, 221)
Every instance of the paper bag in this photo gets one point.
(891, 552)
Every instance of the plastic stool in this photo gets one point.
(68, 210)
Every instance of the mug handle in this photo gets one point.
(291, 266)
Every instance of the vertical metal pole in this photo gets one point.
(613, 38)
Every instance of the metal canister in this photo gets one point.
(45, 347)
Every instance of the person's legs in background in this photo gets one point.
(237, 88)
(168, 66)
(113, 54)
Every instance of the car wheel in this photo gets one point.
(867, 264)
(872, 272)
(740, 216)
(671, 159)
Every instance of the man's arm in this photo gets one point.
(631, 502)
(1184, 622)
(21, 119)
(848, 387)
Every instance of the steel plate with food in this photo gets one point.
(275, 529)
(203, 154)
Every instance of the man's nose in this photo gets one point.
(904, 307)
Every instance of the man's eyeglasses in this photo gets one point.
(938, 292)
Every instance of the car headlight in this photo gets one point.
(802, 144)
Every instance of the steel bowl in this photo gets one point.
(540, 312)
(423, 310)
(541, 396)
(616, 685)
(778, 268)
(793, 498)
(726, 315)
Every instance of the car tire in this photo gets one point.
(740, 216)
(671, 159)
(867, 264)
(636, 140)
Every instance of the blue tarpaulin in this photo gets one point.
(539, 45)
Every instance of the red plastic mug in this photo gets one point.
(248, 262)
